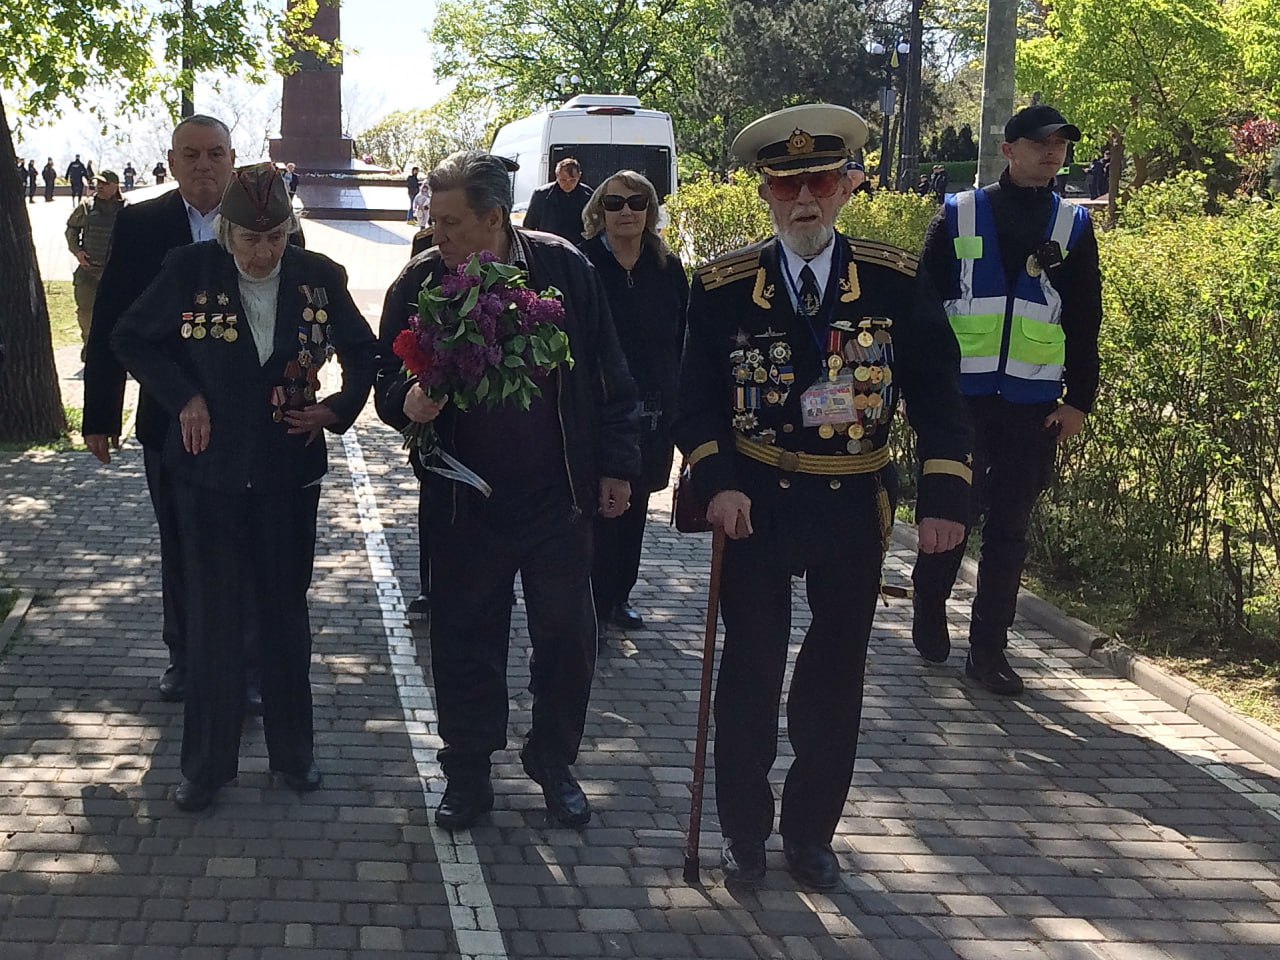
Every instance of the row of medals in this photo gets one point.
(866, 356)
(222, 326)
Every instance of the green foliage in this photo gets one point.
(711, 217)
(422, 137)
(1173, 489)
(1165, 74)
(1182, 196)
(516, 51)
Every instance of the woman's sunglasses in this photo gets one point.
(613, 203)
(821, 185)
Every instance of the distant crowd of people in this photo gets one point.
(79, 175)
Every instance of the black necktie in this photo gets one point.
(810, 295)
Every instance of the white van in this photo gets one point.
(604, 132)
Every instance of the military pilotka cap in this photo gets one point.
(805, 139)
(107, 176)
(1037, 123)
(256, 198)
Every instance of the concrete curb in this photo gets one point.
(11, 623)
(1194, 701)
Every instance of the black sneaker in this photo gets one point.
(992, 672)
(929, 629)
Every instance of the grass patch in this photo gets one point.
(1243, 669)
(7, 599)
(62, 313)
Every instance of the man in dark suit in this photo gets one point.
(202, 161)
(556, 207)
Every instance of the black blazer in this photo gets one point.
(144, 233)
(248, 447)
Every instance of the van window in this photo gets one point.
(602, 160)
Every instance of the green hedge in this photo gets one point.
(710, 217)
(1173, 489)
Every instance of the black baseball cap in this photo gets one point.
(1037, 123)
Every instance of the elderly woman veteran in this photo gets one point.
(648, 295)
(230, 338)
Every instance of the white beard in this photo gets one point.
(806, 242)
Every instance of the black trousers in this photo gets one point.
(474, 561)
(248, 559)
(1013, 461)
(172, 583)
(616, 564)
(424, 544)
(833, 541)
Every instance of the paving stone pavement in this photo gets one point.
(1085, 821)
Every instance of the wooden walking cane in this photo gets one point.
(704, 710)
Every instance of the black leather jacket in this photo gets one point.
(597, 402)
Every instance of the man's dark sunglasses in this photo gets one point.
(613, 203)
(821, 185)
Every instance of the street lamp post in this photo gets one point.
(566, 84)
(910, 153)
(894, 52)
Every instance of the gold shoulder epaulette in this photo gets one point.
(884, 254)
(735, 266)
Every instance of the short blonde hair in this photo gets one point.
(593, 212)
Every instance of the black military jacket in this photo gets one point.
(188, 334)
(749, 358)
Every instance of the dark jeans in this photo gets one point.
(835, 541)
(160, 484)
(1013, 459)
(248, 559)
(616, 564)
(474, 561)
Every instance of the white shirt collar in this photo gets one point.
(819, 264)
(201, 223)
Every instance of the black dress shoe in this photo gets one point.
(465, 800)
(812, 864)
(173, 683)
(929, 629)
(743, 863)
(307, 781)
(564, 798)
(420, 605)
(992, 672)
(625, 615)
(191, 796)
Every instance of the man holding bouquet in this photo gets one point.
(550, 467)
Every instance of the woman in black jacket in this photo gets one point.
(230, 338)
(648, 295)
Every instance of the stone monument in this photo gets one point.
(311, 111)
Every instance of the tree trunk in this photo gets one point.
(30, 402)
(1114, 171)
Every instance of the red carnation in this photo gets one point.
(408, 348)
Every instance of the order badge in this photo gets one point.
(829, 401)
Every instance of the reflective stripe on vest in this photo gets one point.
(1011, 342)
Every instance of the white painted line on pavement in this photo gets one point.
(475, 922)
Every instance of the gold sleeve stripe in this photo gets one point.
(953, 468)
(701, 452)
(714, 280)
(730, 263)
